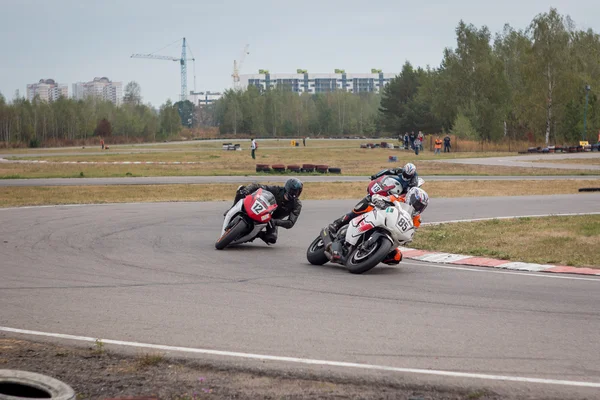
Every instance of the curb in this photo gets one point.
(459, 259)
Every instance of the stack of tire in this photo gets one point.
(308, 168)
(280, 168)
(263, 168)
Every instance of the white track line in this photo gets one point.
(495, 270)
(308, 360)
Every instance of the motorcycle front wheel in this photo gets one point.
(363, 259)
(231, 234)
(316, 252)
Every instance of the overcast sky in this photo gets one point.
(76, 40)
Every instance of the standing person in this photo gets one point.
(405, 140)
(304, 141)
(417, 145)
(421, 139)
(102, 143)
(438, 145)
(412, 140)
(253, 147)
(447, 144)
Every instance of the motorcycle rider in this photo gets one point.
(407, 177)
(288, 206)
(416, 198)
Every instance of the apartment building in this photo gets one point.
(102, 88)
(204, 98)
(304, 82)
(47, 90)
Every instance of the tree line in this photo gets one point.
(282, 112)
(527, 84)
(519, 84)
(37, 122)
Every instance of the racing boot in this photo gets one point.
(393, 258)
(269, 239)
(338, 223)
(337, 252)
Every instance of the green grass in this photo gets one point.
(573, 241)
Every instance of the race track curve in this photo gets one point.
(149, 273)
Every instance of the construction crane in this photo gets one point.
(182, 61)
(237, 66)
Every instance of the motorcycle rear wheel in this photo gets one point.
(315, 254)
(361, 260)
(231, 234)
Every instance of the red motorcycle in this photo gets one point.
(387, 185)
(247, 218)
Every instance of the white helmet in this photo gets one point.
(418, 199)
(408, 172)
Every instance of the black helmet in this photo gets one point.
(293, 188)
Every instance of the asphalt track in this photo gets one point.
(170, 180)
(533, 161)
(149, 273)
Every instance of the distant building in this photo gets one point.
(204, 98)
(47, 90)
(305, 82)
(102, 88)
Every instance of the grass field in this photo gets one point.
(584, 161)
(187, 146)
(573, 241)
(352, 161)
(42, 195)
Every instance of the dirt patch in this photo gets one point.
(97, 374)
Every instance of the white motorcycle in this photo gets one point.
(366, 240)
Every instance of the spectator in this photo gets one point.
(405, 140)
(438, 145)
(447, 144)
(102, 143)
(253, 147)
(412, 140)
(421, 139)
(304, 141)
(417, 145)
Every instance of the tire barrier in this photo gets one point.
(322, 169)
(263, 168)
(280, 168)
(589, 189)
(15, 384)
(308, 168)
(560, 149)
